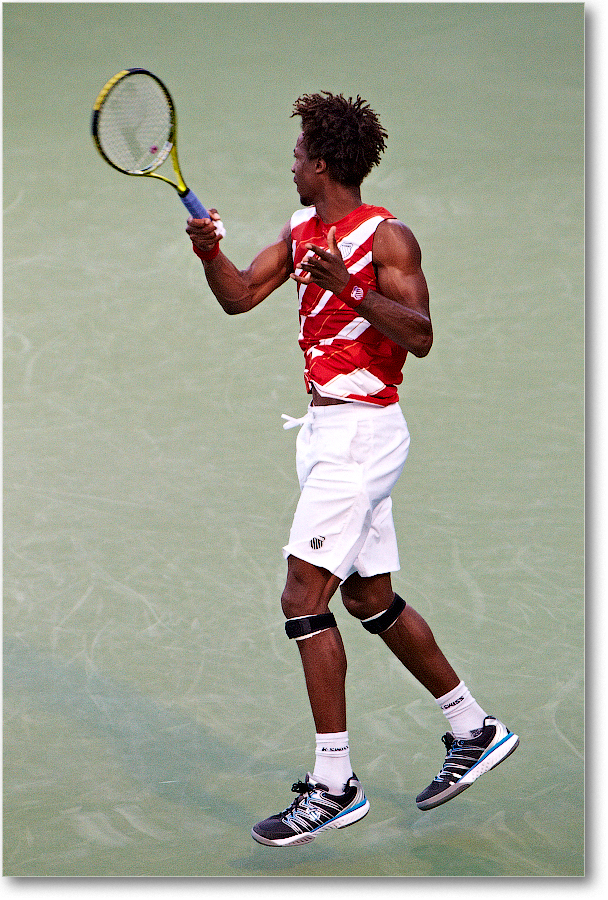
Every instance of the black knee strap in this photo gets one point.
(383, 621)
(306, 626)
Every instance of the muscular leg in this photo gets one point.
(410, 638)
(308, 591)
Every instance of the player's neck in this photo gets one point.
(337, 203)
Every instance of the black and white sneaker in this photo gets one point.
(466, 760)
(313, 811)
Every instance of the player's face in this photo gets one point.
(304, 173)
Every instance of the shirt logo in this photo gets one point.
(317, 542)
(345, 249)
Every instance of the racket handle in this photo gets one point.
(196, 209)
(194, 205)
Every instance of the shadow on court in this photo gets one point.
(160, 749)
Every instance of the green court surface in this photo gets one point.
(154, 709)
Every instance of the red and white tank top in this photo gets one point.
(345, 356)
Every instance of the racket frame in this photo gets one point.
(169, 148)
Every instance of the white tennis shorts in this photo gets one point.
(348, 459)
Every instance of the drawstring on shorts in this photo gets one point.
(295, 423)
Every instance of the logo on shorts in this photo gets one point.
(317, 543)
(357, 293)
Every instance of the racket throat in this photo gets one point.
(182, 190)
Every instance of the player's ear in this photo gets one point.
(320, 166)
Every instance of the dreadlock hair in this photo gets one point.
(345, 133)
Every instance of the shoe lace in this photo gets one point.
(301, 788)
(460, 757)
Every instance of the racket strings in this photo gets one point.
(135, 124)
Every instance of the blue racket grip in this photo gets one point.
(194, 205)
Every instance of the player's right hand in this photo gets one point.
(205, 233)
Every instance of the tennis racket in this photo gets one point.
(134, 128)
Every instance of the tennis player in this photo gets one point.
(364, 307)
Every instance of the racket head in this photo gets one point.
(134, 124)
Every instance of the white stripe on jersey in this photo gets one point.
(325, 296)
(359, 381)
(360, 234)
(363, 262)
(349, 332)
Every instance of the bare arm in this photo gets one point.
(239, 291)
(400, 307)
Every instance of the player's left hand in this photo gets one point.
(323, 267)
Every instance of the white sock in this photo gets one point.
(332, 761)
(462, 711)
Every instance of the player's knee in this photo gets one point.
(305, 612)
(301, 599)
(364, 599)
(307, 590)
(292, 604)
(355, 605)
(376, 614)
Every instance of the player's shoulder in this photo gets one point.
(395, 238)
(302, 216)
(295, 227)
